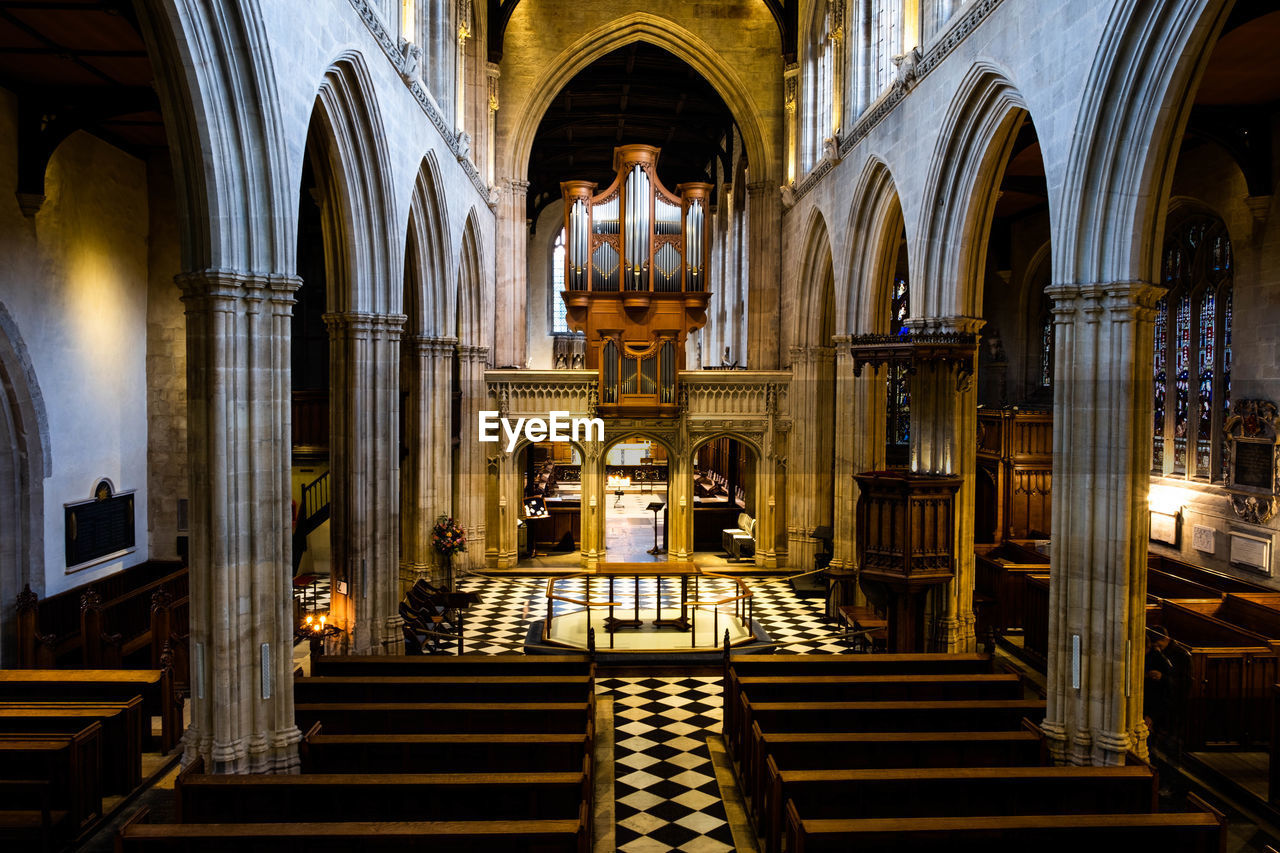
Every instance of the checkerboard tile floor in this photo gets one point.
(665, 791)
(499, 623)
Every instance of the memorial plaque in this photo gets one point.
(1254, 464)
(99, 527)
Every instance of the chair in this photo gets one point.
(739, 542)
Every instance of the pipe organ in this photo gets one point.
(635, 280)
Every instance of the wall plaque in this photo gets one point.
(1251, 434)
(97, 528)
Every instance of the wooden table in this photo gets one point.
(681, 569)
(865, 619)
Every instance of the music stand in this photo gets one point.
(655, 507)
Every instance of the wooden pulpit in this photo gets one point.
(906, 544)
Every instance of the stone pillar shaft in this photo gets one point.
(427, 480)
(470, 485)
(239, 447)
(364, 458)
(764, 221)
(1101, 461)
(513, 233)
(810, 496)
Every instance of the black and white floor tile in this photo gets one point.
(665, 791)
(499, 623)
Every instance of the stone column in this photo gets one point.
(679, 530)
(239, 447)
(944, 436)
(860, 444)
(426, 482)
(364, 456)
(472, 476)
(764, 222)
(1101, 465)
(809, 492)
(592, 505)
(512, 289)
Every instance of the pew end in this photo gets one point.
(141, 816)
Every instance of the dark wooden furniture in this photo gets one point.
(906, 544)
(451, 753)
(155, 686)
(1015, 456)
(462, 665)
(70, 763)
(444, 717)
(489, 688)
(122, 733)
(1001, 574)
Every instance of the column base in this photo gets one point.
(955, 635)
(260, 753)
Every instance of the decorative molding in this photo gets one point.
(400, 61)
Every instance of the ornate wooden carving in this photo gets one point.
(1253, 465)
(1015, 456)
(912, 350)
(906, 544)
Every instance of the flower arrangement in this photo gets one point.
(447, 536)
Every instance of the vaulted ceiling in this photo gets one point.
(636, 94)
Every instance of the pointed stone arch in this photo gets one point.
(25, 462)
(979, 131)
(664, 33)
(430, 301)
(816, 321)
(471, 298)
(347, 144)
(874, 229)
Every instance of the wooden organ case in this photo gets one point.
(636, 276)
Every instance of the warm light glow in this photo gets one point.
(910, 25)
(407, 22)
(613, 483)
(1168, 500)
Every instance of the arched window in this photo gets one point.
(819, 84)
(898, 403)
(1192, 351)
(886, 42)
(559, 324)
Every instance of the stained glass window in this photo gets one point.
(559, 322)
(1192, 351)
(1161, 349)
(898, 426)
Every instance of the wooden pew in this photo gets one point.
(444, 688)
(1191, 832)
(444, 753)
(958, 792)
(746, 666)
(1002, 578)
(1233, 671)
(445, 717)
(853, 688)
(1207, 577)
(118, 631)
(492, 836)
(1161, 584)
(28, 817)
(861, 750)
(69, 762)
(49, 630)
(1035, 619)
(155, 686)
(122, 732)
(460, 665)
(381, 797)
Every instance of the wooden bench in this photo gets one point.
(122, 733)
(859, 750)
(49, 629)
(787, 666)
(444, 688)
(70, 763)
(460, 665)
(27, 815)
(1035, 620)
(853, 688)
(1161, 584)
(155, 686)
(1192, 832)
(444, 753)
(492, 836)
(854, 794)
(381, 797)
(1233, 671)
(445, 717)
(1002, 578)
(131, 628)
(1207, 577)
